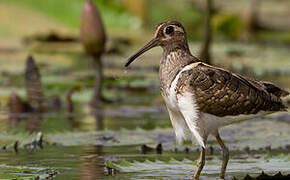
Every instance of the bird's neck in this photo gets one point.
(174, 58)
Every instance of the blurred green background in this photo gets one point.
(251, 37)
(230, 18)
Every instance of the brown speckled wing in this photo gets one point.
(223, 93)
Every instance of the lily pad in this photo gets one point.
(24, 172)
(184, 169)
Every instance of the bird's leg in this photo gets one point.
(225, 156)
(200, 164)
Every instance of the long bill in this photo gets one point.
(153, 43)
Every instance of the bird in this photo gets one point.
(201, 98)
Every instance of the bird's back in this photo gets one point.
(221, 93)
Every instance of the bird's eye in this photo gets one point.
(169, 30)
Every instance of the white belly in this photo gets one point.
(213, 123)
(177, 120)
(184, 115)
(202, 123)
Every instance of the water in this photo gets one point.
(70, 162)
(87, 162)
(135, 103)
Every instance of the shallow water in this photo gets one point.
(135, 116)
(87, 162)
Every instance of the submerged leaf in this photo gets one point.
(24, 172)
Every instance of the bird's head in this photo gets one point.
(168, 35)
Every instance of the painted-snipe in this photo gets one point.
(202, 98)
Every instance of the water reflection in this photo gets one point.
(92, 164)
(74, 162)
(20, 110)
(34, 122)
(98, 113)
(70, 107)
(71, 117)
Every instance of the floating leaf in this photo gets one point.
(184, 168)
(24, 172)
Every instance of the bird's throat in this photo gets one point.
(171, 63)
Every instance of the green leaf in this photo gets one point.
(24, 172)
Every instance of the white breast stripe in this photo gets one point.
(189, 110)
(186, 105)
(179, 125)
(172, 93)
